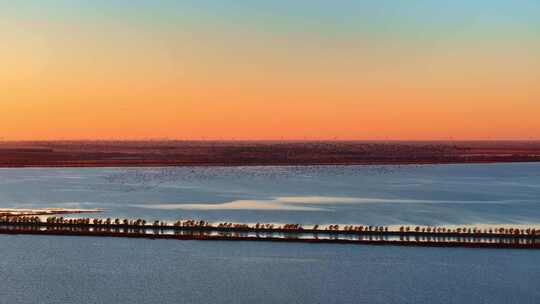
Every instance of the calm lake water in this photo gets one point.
(371, 195)
(100, 270)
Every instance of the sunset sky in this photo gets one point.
(276, 69)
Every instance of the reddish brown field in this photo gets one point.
(236, 153)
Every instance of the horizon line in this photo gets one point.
(268, 140)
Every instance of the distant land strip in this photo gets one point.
(260, 153)
(350, 234)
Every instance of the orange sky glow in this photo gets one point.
(71, 74)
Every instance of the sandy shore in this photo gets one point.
(44, 211)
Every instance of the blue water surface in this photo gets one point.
(46, 269)
(370, 195)
(43, 269)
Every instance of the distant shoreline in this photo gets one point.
(260, 153)
(357, 235)
(166, 165)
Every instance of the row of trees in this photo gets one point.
(294, 227)
(20, 219)
(468, 230)
(360, 228)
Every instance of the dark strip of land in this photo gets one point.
(470, 243)
(200, 230)
(261, 153)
